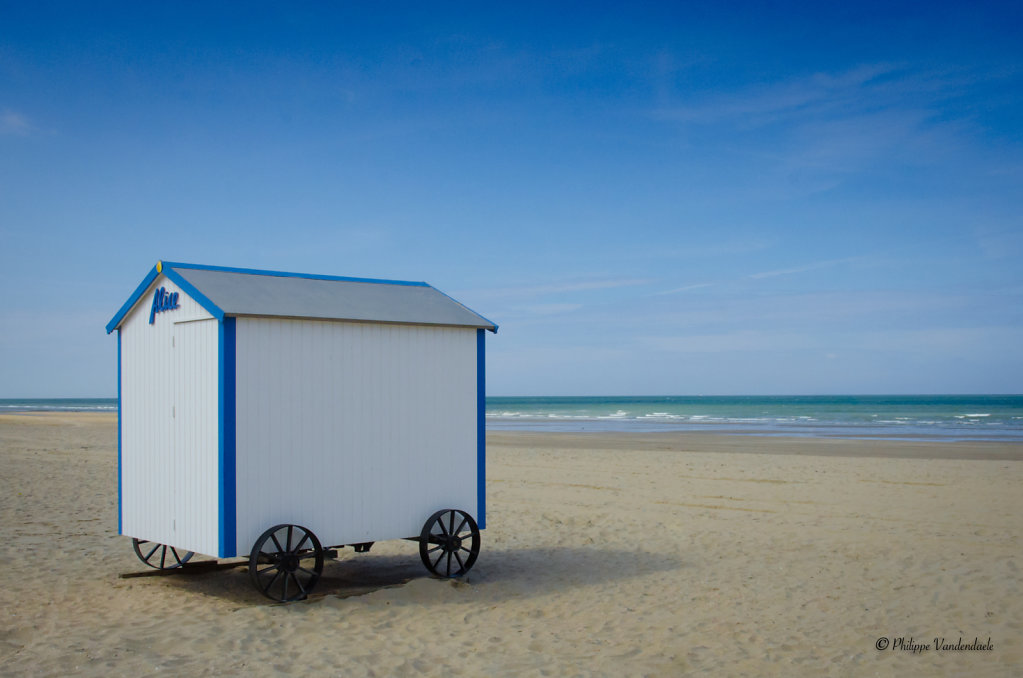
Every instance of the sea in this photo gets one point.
(920, 417)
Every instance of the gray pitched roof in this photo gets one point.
(245, 292)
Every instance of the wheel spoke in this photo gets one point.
(437, 562)
(163, 557)
(311, 553)
(174, 552)
(290, 528)
(461, 525)
(435, 548)
(298, 547)
(280, 549)
(449, 563)
(298, 583)
(266, 588)
(312, 575)
(285, 596)
(451, 525)
(150, 554)
(266, 569)
(461, 565)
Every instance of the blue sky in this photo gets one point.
(670, 199)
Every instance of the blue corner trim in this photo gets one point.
(190, 289)
(481, 429)
(135, 296)
(227, 504)
(284, 274)
(119, 503)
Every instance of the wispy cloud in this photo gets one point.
(963, 342)
(1000, 243)
(16, 124)
(802, 269)
(565, 287)
(763, 104)
(803, 136)
(687, 288)
(742, 340)
(551, 309)
(867, 88)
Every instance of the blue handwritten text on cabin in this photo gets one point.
(162, 301)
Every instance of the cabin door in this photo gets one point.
(195, 437)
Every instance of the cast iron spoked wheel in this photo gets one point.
(286, 563)
(449, 543)
(160, 556)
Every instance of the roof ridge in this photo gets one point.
(287, 274)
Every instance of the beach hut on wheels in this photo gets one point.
(281, 416)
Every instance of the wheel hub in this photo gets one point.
(289, 562)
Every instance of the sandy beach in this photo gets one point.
(605, 554)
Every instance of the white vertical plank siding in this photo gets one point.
(169, 443)
(357, 431)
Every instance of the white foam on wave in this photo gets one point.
(60, 408)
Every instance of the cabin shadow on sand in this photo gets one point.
(499, 574)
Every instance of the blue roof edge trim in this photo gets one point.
(153, 274)
(492, 329)
(135, 296)
(285, 274)
(190, 289)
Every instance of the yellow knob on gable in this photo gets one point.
(159, 267)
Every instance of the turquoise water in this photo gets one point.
(946, 417)
(58, 405)
(952, 417)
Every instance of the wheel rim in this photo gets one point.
(286, 562)
(449, 543)
(160, 556)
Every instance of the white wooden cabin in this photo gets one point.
(246, 399)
